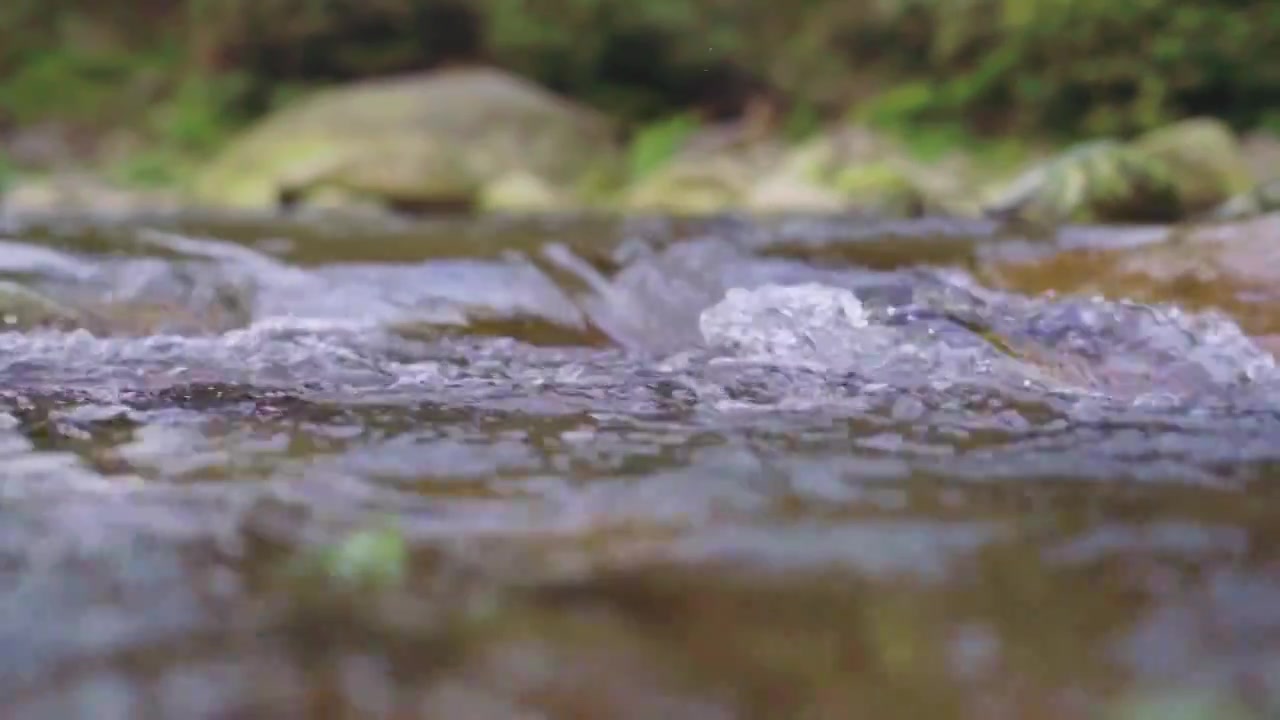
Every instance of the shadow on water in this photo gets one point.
(621, 468)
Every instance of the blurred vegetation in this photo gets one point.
(657, 142)
(182, 74)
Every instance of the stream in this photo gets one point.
(698, 469)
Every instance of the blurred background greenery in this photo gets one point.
(147, 85)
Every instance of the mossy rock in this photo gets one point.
(691, 188)
(419, 140)
(788, 192)
(1102, 181)
(1205, 159)
(882, 188)
(823, 157)
(521, 191)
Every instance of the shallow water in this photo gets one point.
(638, 468)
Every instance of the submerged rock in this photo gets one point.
(433, 139)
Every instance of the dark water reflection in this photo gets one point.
(600, 517)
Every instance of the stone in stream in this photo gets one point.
(419, 141)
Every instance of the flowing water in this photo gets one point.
(589, 468)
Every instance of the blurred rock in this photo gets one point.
(824, 156)
(782, 192)
(78, 193)
(881, 188)
(1101, 181)
(1176, 172)
(1204, 159)
(875, 174)
(428, 140)
(692, 187)
(520, 191)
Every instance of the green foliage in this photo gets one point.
(1270, 122)
(7, 172)
(70, 83)
(189, 71)
(189, 124)
(152, 168)
(1075, 67)
(656, 143)
(802, 122)
(200, 112)
(903, 103)
(1090, 67)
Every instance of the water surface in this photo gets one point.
(704, 469)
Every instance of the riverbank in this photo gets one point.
(141, 99)
(479, 139)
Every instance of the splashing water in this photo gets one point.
(635, 470)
